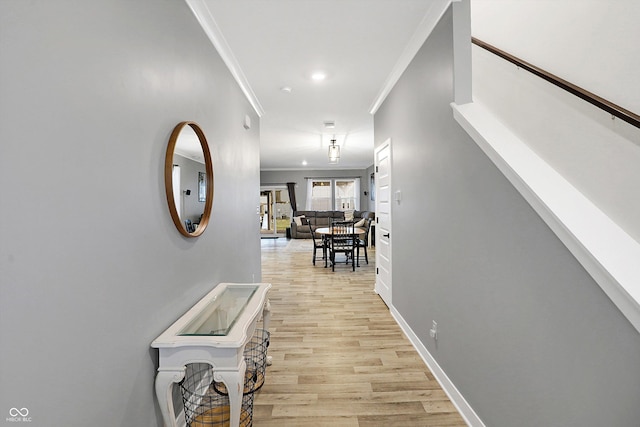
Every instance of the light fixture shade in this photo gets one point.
(334, 152)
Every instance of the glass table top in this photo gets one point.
(219, 316)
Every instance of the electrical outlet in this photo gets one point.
(434, 330)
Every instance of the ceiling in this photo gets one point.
(276, 44)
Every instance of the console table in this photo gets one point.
(213, 331)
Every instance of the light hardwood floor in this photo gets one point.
(339, 358)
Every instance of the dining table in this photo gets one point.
(326, 232)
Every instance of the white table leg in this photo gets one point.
(266, 320)
(234, 381)
(266, 315)
(165, 379)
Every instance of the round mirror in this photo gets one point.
(188, 179)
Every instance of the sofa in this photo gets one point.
(318, 219)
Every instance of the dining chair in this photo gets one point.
(364, 242)
(318, 243)
(343, 240)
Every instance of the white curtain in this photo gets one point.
(356, 194)
(177, 192)
(308, 202)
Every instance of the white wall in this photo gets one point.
(592, 44)
(92, 268)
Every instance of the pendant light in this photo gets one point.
(334, 152)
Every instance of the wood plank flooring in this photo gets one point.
(339, 358)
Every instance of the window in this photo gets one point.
(340, 194)
(346, 194)
(319, 195)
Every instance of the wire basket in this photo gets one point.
(203, 405)
(206, 402)
(255, 357)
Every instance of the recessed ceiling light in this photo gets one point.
(318, 76)
(286, 89)
(304, 163)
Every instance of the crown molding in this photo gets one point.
(211, 29)
(426, 26)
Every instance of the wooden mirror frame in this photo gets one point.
(168, 179)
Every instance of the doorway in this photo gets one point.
(275, 210)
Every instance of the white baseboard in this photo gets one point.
(467, 413)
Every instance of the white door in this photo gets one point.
(383, 221)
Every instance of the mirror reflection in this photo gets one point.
(188, 179)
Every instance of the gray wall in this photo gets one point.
(525, 334)
(299, 177)
(189, 169)
(92, 268)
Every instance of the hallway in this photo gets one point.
(339, 358)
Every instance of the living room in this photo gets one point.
(362, 179)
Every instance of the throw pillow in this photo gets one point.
(348, 215)
(298, 220)
(359, 223)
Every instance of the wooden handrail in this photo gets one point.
(591, 98)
